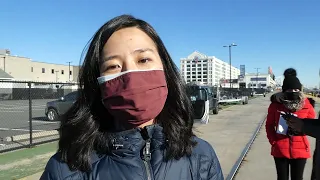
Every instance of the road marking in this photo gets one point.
(9, 129)
(20, 107)
(22, 110)
(12, 111)
(44, 122)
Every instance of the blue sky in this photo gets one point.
(276, 33)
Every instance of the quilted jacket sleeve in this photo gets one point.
(52, 170)
(215, 172)
(57, 170)
(270, 124)
(204, 162)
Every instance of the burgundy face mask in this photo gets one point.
(134, 97)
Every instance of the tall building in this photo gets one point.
(24, 69)
(198, 67)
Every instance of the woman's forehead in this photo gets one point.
(127, 40)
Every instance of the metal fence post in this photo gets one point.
(30, 114)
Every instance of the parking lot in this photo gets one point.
(14, 118)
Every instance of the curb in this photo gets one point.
(27, 136)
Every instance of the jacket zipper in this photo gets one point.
(146, 159)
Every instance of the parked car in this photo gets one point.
(259, 92)
(203, 101)
(55, 109)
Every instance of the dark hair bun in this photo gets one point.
(290, 72)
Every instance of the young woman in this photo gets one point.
(132, 119)
(292, 149)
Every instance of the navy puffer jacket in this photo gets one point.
(125, 161)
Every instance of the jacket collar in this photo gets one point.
(131, 142)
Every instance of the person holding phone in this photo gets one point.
(290, 149)
(310, 127)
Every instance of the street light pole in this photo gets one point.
(69, 69)
(229, 46)
(257, 76)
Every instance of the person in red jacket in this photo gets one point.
(290, 148)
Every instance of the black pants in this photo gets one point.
(296, 168)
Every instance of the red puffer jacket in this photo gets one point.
(291, 147)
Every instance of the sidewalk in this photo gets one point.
(259, 164)
(33, 177)
(23, 162)
(230, 130)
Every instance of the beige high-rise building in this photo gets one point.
(24, 69)
(198, 67)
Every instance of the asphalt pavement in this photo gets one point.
(230, 130)
(14, 118)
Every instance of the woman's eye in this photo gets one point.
(144, 60)
(113, 67)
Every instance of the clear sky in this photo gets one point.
(276, 33)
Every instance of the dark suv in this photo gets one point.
(56, 108)
(202, 96)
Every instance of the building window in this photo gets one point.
(62, 71)
(31, 69)
(70, 72)
(52, 71)
(43, 70)
(258, 79)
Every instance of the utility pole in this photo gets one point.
(229, 46)
(257, 76)
(69, 69)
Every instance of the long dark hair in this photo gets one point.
(85, 127)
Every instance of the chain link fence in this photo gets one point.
(29, 112)
(230, 93)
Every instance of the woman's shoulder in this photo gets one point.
(203, 148)
(309, 103)
(56, 169)
(204, 157)
(274, 106)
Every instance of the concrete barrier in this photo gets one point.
(27, 136)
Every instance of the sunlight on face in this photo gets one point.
(129, 49)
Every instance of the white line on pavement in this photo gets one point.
(20, 107)
(13, 111)
(44, 122)
(9, 129)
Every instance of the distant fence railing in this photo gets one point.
(26, 111)
(235, 92)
